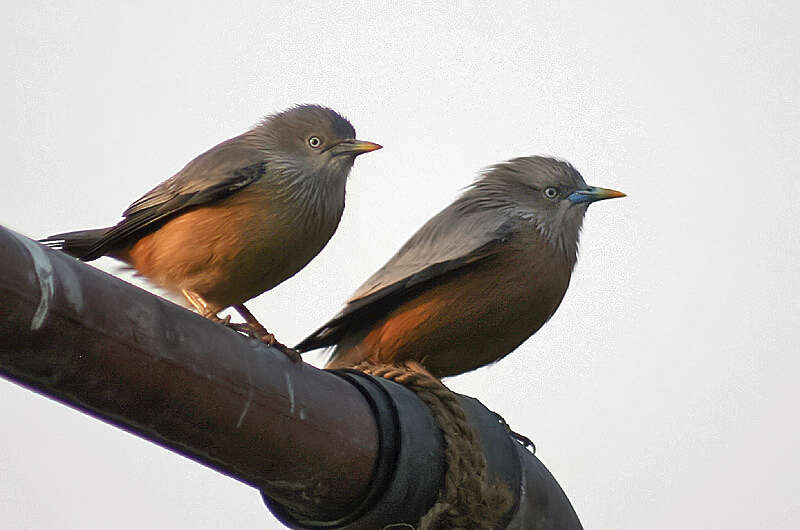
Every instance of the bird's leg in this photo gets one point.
(202, 307)
(260, 332)
(255, 325)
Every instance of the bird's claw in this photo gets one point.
(258, 332)
(268, 338)
(215, 318)
(291, 353)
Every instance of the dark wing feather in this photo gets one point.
(448, 242)
(215, 174)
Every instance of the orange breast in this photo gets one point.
(229, 251)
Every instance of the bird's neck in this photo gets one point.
(315, 201)
(560, 233)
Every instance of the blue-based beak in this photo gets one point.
(592, 194)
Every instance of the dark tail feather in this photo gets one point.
(327, 335)
(76, 243)
(313, 342)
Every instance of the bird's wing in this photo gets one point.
(215, 174)
(449, 241)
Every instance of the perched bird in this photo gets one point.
(240, 218)
(476, 280)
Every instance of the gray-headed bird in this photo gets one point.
(476, 280)
(240, 218)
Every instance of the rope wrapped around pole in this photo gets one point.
(467, 499)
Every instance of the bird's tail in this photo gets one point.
(76, 243)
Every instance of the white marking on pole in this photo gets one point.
(246, 406)
(44, 274)
(291, 392)
(71, 286)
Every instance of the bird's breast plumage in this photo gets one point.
(237, 248)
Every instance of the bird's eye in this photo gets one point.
(551, 192)
(314, 142)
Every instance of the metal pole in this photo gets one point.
(305, 437)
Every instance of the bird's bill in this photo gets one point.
(356, 147)
(592, 194)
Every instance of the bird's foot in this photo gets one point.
(241, 328)
(205, 309)
(260, 333)
(224, 321)
(257, 331)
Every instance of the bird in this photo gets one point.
(238, 219)
(476, 281)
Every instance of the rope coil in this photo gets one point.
(467, 500)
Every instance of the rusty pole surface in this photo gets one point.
(103, 346)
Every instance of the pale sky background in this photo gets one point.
(662, 395)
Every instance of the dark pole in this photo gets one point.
(333, 450)
(114, 351)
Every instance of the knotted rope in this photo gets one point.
(467, 500)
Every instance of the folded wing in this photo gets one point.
(455, 238)
(215, 174)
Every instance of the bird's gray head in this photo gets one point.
(547, 192)
(310, 144)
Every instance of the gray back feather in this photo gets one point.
(208, 170)
(456, 235)
(459, 235)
